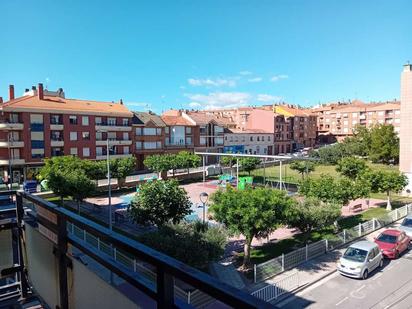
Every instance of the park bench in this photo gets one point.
(356, 207)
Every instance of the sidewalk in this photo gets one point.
(318, 268)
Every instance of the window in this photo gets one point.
(202, 140)
(159, 144)
(381, 113)
(73, 119)
(188, 141)
(111, 121)
(99, 151)
(98, 121)
(14, 118)
(85, 120)
(111, 136)
(125, 136)
(36, 118)
(263, 138)
(55, 119)
(202, 130)
(167, 130)
(86, 152)
(86, 135)
(73, 151)
(15, 153)
(125, 122)
(99, 136)
(355, 115)
(139, 145)
(37, 153)
(159, 131)
(258, 139)
(125, 149)
(150, 145)
(251, 138)
(149, 131)
(73, 136)
(188, 130)
(138, 131)
(268, 138)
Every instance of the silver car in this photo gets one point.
(406, 226)
(360, 259)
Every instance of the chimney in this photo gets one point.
(11, 92)
(121, 102)
(1, 100)
(40, 93)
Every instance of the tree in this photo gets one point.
(249, 163)
(57, 182)
(228, 161)
(79, 186)
(328, 189)
(160, 202)
(311, 213)
(250, 212)
(386, 182)
(120, 168)
(331, 154)
(205, 243)
(161, 164)
(384, 144)
(351, 167)
(187, 160)
(95, 169)
(302, 167)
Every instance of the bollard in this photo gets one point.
(306, 252)
(360, 229)
(344, 236)
(283, 262)
(373, 224)
(254, 273)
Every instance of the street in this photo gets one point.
(389, 287)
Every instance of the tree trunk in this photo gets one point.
(246, 249)
(121, 182)
(163, 175)
(62, 201)
(388, 202)
(78, 207)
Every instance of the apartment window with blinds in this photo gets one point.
(125, 136)
(125, 121)
(138, 131)
(73, 151)
(139, 145)
(188, 130)
(98, 120)
(158, 144)
(86, 152)
(111, 136)
(85, 120)
(72, 119)
(111, 121)
(159, 131)
(150, 145)
(149, 131)
(86, 135)
(125, 149)
(73, 136)
(167, 130)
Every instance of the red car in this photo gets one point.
(392, 243)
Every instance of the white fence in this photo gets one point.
(193, 297)
(274, 290)
(292, 259)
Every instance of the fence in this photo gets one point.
(292, 259)
(195, 298)
(275, 290)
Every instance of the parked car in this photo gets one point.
(392, 243)
(406, 226)
(360, 259)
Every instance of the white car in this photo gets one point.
(360, 259)
(406, 226)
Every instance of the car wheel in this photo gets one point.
(365, 274)
(381, 263)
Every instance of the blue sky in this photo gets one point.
(211, 53)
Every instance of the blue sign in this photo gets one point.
(234, 149)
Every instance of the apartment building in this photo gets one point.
(405, 137)
(148, 136)
(179, 131)
(337, 121)
(249, 141)
(41, 124)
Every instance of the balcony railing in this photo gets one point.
(148, 276)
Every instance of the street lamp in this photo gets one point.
(204, 198)
(108, 178)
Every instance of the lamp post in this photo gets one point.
(204, 198)
(108, 178)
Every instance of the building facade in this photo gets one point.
(42, 124)
(248, 142)
(405, 156)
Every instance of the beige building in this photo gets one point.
(337, 121)
(405, 164)
(250, 141)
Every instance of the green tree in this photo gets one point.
(384, 144)
(312, 214)
(122, 167)
(160, 202)
(250, 212)
(331, 154)
(386, 182)
(249, 163)
(57, 182)
(187, 160)
(205, 243)
(328, 189)
(161, 164)
(79, 186)
(351, 167)
(228, 161)
(302, 167)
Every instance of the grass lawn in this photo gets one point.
(292, 176)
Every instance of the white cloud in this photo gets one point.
(219, 99)
(208, 82)
(267, 98)
(255, 80)
(245, 73)
(139, 105)
(278, 77)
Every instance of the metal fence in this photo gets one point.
(292, 259)
(274, 290)
(193, 297)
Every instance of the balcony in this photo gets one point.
(11, 144)
(11, 126)
(69, 261)
(57, 143)
(103, 126)
(103, 156)
(114, 142)
(56, 127)
(37, 127)
(15, 161)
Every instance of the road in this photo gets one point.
(390, 287)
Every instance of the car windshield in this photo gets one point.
(391, 239)
(407, 222)
(355, 254)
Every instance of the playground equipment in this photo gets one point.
(245, 181)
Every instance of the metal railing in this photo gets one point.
(276, 289)
(292, 259)
(117, 253)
